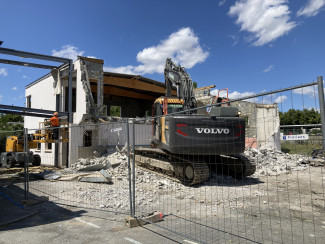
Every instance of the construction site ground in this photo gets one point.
(267, 209)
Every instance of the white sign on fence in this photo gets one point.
(300, 137)
(116, 129)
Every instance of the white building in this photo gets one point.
(94, 94)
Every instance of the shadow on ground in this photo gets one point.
(13, 212)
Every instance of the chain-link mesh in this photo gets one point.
(251, 172)
(264, 187)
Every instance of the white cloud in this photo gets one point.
(238, 95)
(235, 95)
(3, 72)
(124, 69)
(268, 69)
(265, 20)
(311, 91)
(280, 99)
(15, 88)
(1, 98)
(182, 47)
(268, 99)
(25, 77)
(312, 8)
(235, 39)
(18, 98)
(221, 2)
(68, 51)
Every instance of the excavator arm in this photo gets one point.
(176, 75)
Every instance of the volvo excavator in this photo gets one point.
(187, 145)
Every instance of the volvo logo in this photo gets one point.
(212, 130)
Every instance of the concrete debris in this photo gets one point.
(91, 164)
(317, 162)
(151, 188)
(102, 176)
(97, 177)
(46, 175)
(272, 162)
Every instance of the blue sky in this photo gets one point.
(248, 46)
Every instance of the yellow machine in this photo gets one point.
(45, 132)
(15, 144)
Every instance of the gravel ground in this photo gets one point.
(282, 202)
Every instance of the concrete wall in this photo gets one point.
(81, 96)
(262, 122)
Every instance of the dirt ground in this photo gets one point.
(287, 208)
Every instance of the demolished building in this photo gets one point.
(94, 94)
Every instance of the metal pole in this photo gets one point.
(321, 107)
(70, 91)
(133, 164)
(26, 166)
(129, 165)
(70, 120)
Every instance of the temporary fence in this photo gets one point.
(228, 179)
(281, 202)
(13, 181)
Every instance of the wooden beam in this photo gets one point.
(110, 90)
(135, 84)
(204, 88)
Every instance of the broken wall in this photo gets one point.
(262, 122)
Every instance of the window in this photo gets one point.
(87, 138)
(48, 146)
(29, 101)
(115, 111)
(38, 146)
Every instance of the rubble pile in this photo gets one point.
(91, 164)
(152, 189)
(271, 162)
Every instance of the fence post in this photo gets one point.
(133, 164)
(129, 165)
(26, 165)
(321, 107)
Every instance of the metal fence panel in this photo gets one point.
(281, 202)
(264, 184)
(97, 172)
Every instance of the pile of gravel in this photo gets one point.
(156, 192)
(271, 162)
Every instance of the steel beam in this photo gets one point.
(26, 64)
(32, 55)
(3, 111)
(70, 91)
(29, 110)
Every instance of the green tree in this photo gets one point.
(9, 122)
(300, 117)
(115, 111)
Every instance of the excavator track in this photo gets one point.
(238, 165)
(183, 169)
(191, 170)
